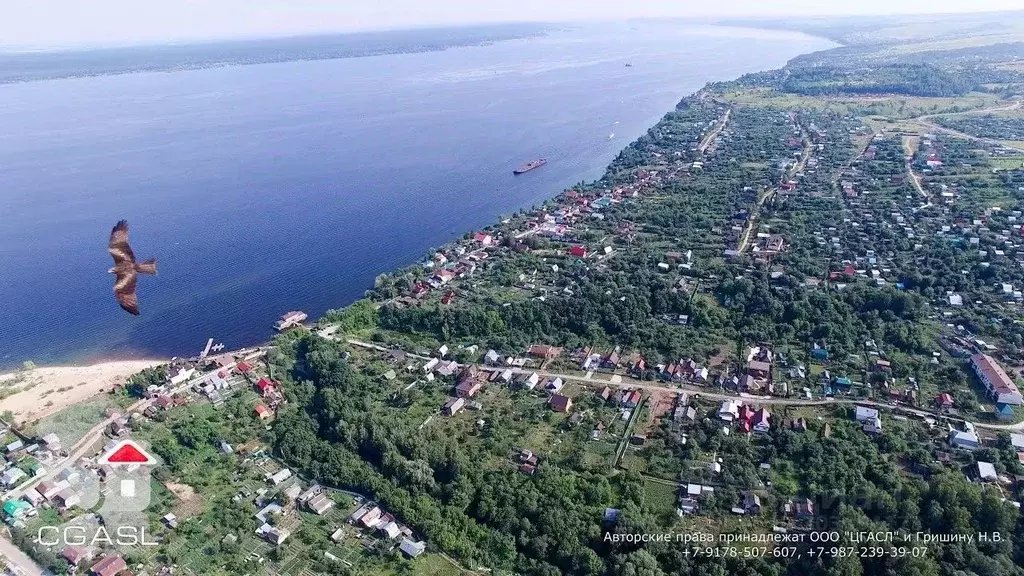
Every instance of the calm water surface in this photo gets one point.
(266, 188)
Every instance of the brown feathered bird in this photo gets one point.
(126, 268)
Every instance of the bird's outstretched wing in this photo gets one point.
(119, 248)
(124, 290)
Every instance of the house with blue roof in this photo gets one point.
(1004, 412)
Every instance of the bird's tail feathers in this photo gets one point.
(146, 266)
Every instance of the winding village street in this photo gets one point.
(625, 381)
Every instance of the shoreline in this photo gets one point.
(45, 390)
(86, 361)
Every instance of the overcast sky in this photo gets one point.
(59, 23)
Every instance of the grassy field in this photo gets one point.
(881, 107)
(661, 498)
(1012, 163)
(74, 422)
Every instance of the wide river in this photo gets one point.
(266, 188)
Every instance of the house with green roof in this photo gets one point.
(16, 509)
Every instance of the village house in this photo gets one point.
(280, 476)
(759, 369)
(554, 384)
(799, 508)
(544, 352)
(729, 411)
(12, 476)
(263, 412)
(944, 401)
(453, 405)
(290, 320)
(389, 528)
(265, 386)
(372, 517)
(999, 387)
(560, 403)
(51, 441)
(447, 368)
(527, 381)
(75, 555)
(411, 548)
(872, 425)
(987, 472)
(109, 566)
(863, 414)
(33, 497)
(751, 503)
(759, 422)
(468, 387)
(631, 398)
(67, 498)
(964, 439)
(272, 534)
(688, 498)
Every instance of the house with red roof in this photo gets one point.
(75, 555)
(420, 290)
(544, 351)
(578, 251)
(244, 367)
(109, 566)
(263, 412)
(483, 239)
(265, 386)
(631, 399)
(746, 413)
(163, 402)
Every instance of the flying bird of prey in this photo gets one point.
(126, 268)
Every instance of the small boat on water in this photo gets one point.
(629, 65)
(612, 135)
(530, 166)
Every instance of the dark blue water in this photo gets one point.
(272, 187)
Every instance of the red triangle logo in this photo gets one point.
(126, 452)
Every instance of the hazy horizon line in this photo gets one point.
(704, 19)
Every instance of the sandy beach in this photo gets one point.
(45, 390)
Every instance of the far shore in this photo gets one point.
(45, 390)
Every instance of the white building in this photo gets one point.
(863, 414)
(998, 384)
(965, 440)
(987, 472)
(412, 549)
(729, 411)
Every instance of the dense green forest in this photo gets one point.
(551, 523)
(909, 79)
